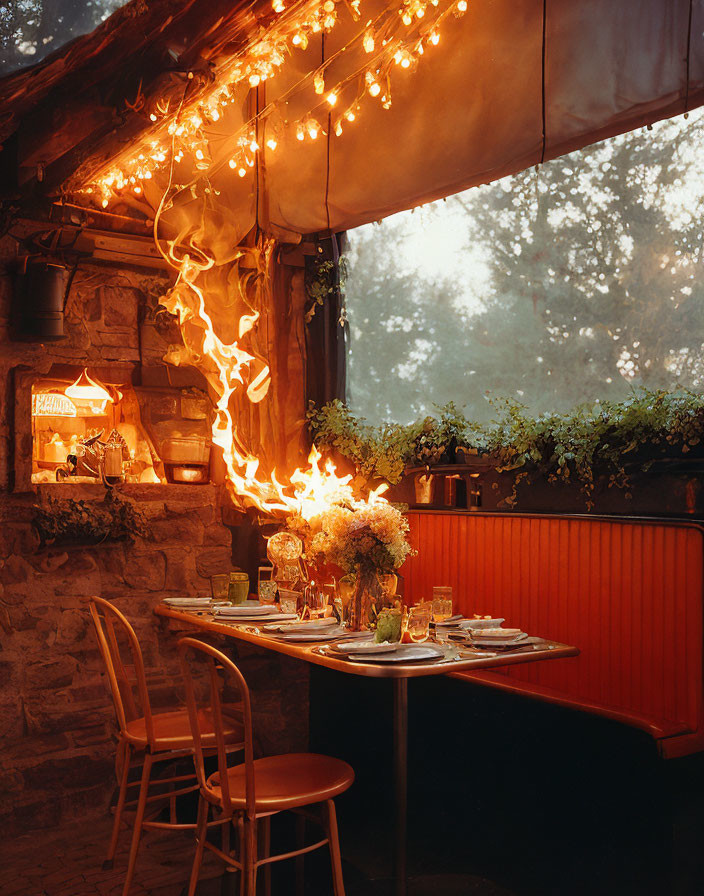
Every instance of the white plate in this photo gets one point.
(501, 633)
(366, 647)
(480, 624)
(307, 627)
(496, 642)
(242, 620)
(245, 610)
(187, 601)
(406, 653)
(457, 619)
(329, 634)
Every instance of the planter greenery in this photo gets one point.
(64, 521)
(608, 441)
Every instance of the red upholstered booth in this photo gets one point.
(627, 592)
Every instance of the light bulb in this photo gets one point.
(319, 83)
(253, 146)
(332, 98)
(271, 143)
(232, 163)
(434, 38)
(350, 116)
(338, 129)
(368, 42)
(313, 128)
(405, 62)
(242, 172)
(254, 80)
(407, 18)
(462, 5)
(300, 132)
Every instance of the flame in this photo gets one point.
(229, 368)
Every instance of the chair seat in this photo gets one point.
(172, 730)
(286, 782)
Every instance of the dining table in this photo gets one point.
(455, 659)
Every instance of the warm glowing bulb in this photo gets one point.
(407, 18)
(405, 62)
(278, 5)
(332, 98)
(434, 38)
(319, 83)
(138, 189)
(104, 203)
(313, 128)
(199, 154)
(329, 6)
(242, 172)
(296, 40)
(338, 129)
(254, 80)
(351, 116)
(271, 143)
(152, 117)
(300, 132)
(368, 42)
(214, 114)
(253, 146)
(232, 163)
(462, 5)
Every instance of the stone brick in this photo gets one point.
(146, 572)
(82, 770)
(212, 561)
(50, 674)
(119, 306)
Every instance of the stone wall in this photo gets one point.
(56, 721)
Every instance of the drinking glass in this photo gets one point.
(345, 590)
(388, 625)
(267, 591)
(418, 623)
(288, 601)
(219, 588)
(442, 602)
(238, 589)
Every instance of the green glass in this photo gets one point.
(388, 626)
(238, 590)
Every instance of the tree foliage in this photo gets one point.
(593, 287)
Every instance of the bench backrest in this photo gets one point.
(628, 593)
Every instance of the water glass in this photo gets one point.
(442, 602)
(267, 591)
(288, 601)
(345, 591)
(219, 587)
(418, 623)
(238, 589)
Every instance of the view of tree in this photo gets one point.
(567, 284)
(31, 29)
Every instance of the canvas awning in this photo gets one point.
(511, 83)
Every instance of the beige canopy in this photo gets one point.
(511, 83)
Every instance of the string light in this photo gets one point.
(397, 36)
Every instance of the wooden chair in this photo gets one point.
(257, 789)
(151, 737)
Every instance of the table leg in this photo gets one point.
(400, 783)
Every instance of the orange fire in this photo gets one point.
(228, 368)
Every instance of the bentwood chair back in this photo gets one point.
(117, 642)
(253, 791)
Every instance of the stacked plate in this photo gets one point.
(312, 630)
(498, 637)
(251, 611)
(187, 603)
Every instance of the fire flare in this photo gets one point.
(228, 368)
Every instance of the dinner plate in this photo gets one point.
(245, 610)
(187, 601)
(497, 642)
(452, 620)
(365, 647)
(500, 633)
(406, 653)
(329, 634)
(253, 620)
(480, 624)
(310, 626)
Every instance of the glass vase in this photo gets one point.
(364, 604)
